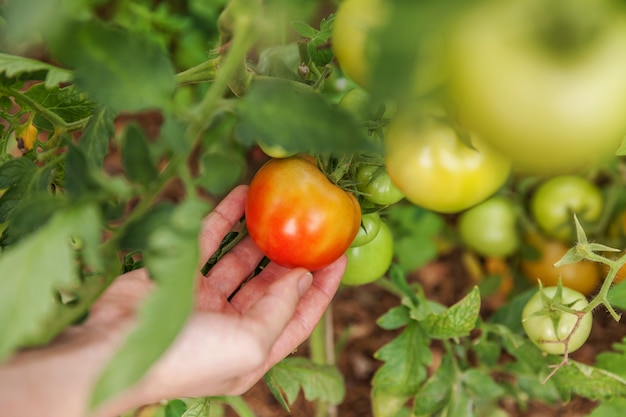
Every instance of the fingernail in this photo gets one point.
(304, 283)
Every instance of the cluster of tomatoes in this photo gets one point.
(551, 108)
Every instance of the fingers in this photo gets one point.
(254, 289)
(221, 220)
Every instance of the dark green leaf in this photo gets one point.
(136, 158)
(290, 114)
(510, 314)
(38, 265)
(94, 142)
(458, 320)
(117, 68)
(28, 216)
(221, 170)
(481, 386)
(175, 408)
(79, 180)
(406, 358)
(394, 318)
(172, 260)
(137, 234)
(14, 170)
(12, 65)
(617, 295)
(317, 381)
(68, 103)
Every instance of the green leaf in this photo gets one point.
(172, 261)
(510, 314)
(617, 295)
(613, 407)
(13, 65)
(614, 361)
(387, 404)
(304, 29)
(12, 171)
(590, 382)
(24, 180)
(434, 394)
(117, 68)
(94, 141)
(289, 114)
(481, 386)
(79, 180)
(221, 170)
(406, 358)
(68, 103)
(36, 267)
(394, 318)
(317, 381)
(200, 407)
(28, 216)
(136, 158)
(175, 408)
(414, 230)
(136, 236)
(458, 320)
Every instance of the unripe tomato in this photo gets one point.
(297, 217)
(555, 201)
(549, 93)
(368, 262)
(370, 225)
(583, 276)
(376, 186)
(490, 228)
(548, 330)
(434, 169)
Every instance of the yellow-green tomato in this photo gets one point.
(370, 225)
(369, 262)
(434, 169)
(549, 328)
(556, 200)
(542, 81)
(490, 227)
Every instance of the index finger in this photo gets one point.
(221, 220)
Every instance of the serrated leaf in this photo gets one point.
(12, 171)
(136, 159)
(458, 320)
(406, 358)
(288, 114)
(317, 381)
(436, 391)
(13, 65)
(304, 29)
(38, 265)
(590, 382)
(117, 68)
(172, 260)
(94, 141)
(68, 103)
(29, 215)
(200, 407)
(79, 180)
(480, 385)
(394, 318)
(221, 170)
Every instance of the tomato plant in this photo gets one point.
(556, 200)
(534, 105)
(490, 228)
(552, 329)
(376, 186)
(297, 217)
(435, 169)
(370, 261)
(583, 276)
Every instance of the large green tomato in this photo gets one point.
(542, 81)
(553, 203)
(549, 330)
(368, 262)
(490, 228)
(434, 169)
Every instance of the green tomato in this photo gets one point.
(548, 93)
(370, 225)
(369, 262)
(549, 329)
(376, 186)
(555, 200)
(490, 228)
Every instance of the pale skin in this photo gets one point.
(224, 349)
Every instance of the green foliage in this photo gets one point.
(317, 381)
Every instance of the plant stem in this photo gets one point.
(204, 72)
(322, 351)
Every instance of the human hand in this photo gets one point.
(228, 342)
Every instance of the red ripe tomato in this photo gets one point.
(297, 217)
